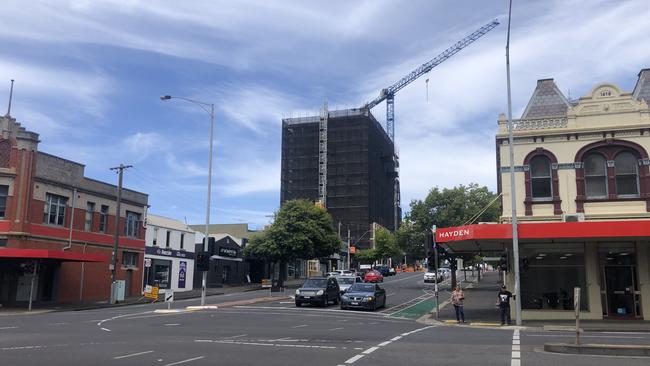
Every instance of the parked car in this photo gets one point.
(318, 290)
(431, 276)
(373, 276)
(364, 296)
(346, 281)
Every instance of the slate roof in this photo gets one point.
(642, 87)
(547, 101)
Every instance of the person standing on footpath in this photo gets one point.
(457, 299)
(503, 301)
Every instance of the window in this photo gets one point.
(90, 211)
(155, 236)
(167, 238)
(54, 209)
(103, 219)
(4, 191)
(595, 176)
(540, 178)
(182, 240)
(627, 176)
(549, 273)
(131, 225)
(129, 259)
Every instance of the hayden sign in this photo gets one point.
(453, 233)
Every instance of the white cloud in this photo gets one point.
(142, 144)
(256, 176)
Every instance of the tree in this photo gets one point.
(366, 256)
(300, 230)
(410, 240)
(461, 205)
(385, 244)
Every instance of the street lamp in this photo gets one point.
(210, 111)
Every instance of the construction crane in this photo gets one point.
(388, 94)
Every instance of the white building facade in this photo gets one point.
(169, 254)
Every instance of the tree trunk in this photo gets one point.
(453, 279)
(282, 272)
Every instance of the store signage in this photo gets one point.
(147, 262)
(169, 252)
(453, 233)
(182, 273)
(228, 252)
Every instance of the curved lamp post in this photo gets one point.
(210, 111)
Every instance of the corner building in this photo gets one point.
(582, 183)
(57, 226)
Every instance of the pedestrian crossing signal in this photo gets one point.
(203, 261)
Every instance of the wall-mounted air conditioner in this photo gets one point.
(573, 217)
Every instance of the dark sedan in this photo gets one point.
(318, 291)
(364, 296)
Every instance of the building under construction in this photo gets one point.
(345, 160)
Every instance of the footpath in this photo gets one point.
(185, 295)
(481, 311)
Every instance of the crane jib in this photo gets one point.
(426, 67)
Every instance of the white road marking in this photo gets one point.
(581, 336)
(354, 359)
(384, 343)
(8, 327)
(132, 355)
(236, 336)
(263, 344)
(300, 326)
(370, 350)
(515, 357)
(185, 361)
(337, 328)
(171, 325)
(396, 338)
(58, 324)
(105, 329)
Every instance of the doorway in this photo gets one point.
(621, 293)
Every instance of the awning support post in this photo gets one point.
(31, 286)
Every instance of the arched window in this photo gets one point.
(627, 174)
(540, 178)
(595, 176)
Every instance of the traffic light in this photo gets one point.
(503, 262)
(202, 261)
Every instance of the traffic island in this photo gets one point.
(628, 350)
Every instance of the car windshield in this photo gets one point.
(345, 280)
(315, 282)
(362, 287)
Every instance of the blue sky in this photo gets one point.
(89, 74)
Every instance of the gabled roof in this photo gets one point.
(547, 101)
(642, 87)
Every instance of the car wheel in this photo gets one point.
(337, 300)
(325, 301)
(298, 304)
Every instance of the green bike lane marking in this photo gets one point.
(416, 310)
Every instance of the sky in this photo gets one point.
(89, 74)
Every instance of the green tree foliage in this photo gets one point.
(410, 240)
(300, 230)
(366, 256)
(453, 207)
(385, 244)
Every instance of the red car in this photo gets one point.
(373, 276)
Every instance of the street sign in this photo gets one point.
(169, 296)
(151, 292)
(147, 262)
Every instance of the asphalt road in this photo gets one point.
(273, 333)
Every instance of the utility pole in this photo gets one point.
(348, 247)
(435, 263)
(116, 235)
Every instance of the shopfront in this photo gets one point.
(608, 260)
(168, 268)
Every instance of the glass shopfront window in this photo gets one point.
(161, 273)
(619, 285)
(549, 272)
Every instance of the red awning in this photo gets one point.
(57, 255)
(491, 236)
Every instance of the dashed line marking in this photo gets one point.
(8, 327)
(300, 326)
(337, 328)
(105, 329)
(354, 359)
(370, 350)
(185, 361)
(132, 355)
(515, 357)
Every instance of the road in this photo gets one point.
(273, 333)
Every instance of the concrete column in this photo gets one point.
(643, 275)
(592, 279)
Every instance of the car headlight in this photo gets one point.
(297, 292)
(320, 292)
(343, 297)
(369, 298)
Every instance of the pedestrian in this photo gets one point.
(503, 301)
(457, 299)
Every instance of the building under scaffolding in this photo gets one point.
(346, 160)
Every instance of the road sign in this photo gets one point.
(147, 262)
(151, 292)
(169, 296)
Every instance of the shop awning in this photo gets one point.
(56, 255)
(491, 237)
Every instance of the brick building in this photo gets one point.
(57, 227)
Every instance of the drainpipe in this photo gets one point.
(81, 280)
(74, 198)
